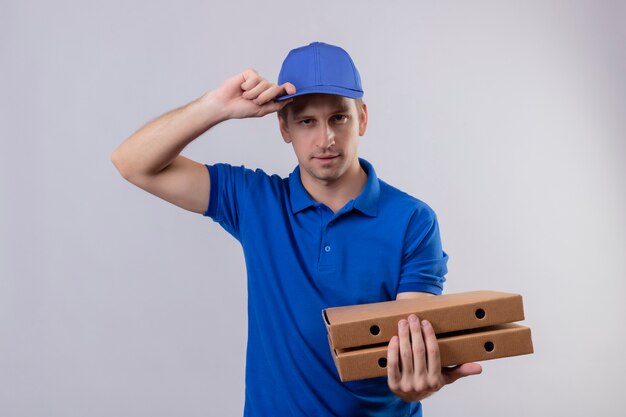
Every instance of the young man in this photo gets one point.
(330, 234)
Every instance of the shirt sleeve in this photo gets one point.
(228, 196)
(424, 263)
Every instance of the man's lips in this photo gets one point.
(325, 156)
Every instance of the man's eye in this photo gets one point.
(306, 122)
(340, 117)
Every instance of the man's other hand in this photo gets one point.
(247, 94)
(413, 363)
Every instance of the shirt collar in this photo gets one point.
(366, 202)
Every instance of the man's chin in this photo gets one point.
(326, 175)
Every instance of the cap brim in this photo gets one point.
(326, 89)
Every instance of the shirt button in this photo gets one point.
(327, 248)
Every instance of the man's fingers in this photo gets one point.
(254, 92)
(393, 365)
(269, 94)
(435, 379)
(288, 88)
(273, 106)
(452, 374)
(251, 77)
(406, 353)
(432, 350)
(417, 345)
(262, 93)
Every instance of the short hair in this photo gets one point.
(284, 112)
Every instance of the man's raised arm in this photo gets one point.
(150, 158)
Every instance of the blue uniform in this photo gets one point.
(301, 258)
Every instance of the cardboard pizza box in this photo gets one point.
(375, 323)
(492, 342)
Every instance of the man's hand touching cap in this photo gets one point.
(247, 94)
(262, 93)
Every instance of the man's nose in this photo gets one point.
(326, 136)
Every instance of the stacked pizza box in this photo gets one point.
(470, 326)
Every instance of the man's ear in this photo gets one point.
(363, 120)
(284, 128)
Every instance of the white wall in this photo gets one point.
(506, 117)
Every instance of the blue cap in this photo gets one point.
(320, 68)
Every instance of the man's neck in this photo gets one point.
(336, 194)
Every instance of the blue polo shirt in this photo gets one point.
(301, 258)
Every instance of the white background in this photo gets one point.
(507, 117)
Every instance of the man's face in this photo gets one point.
(324, 131)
